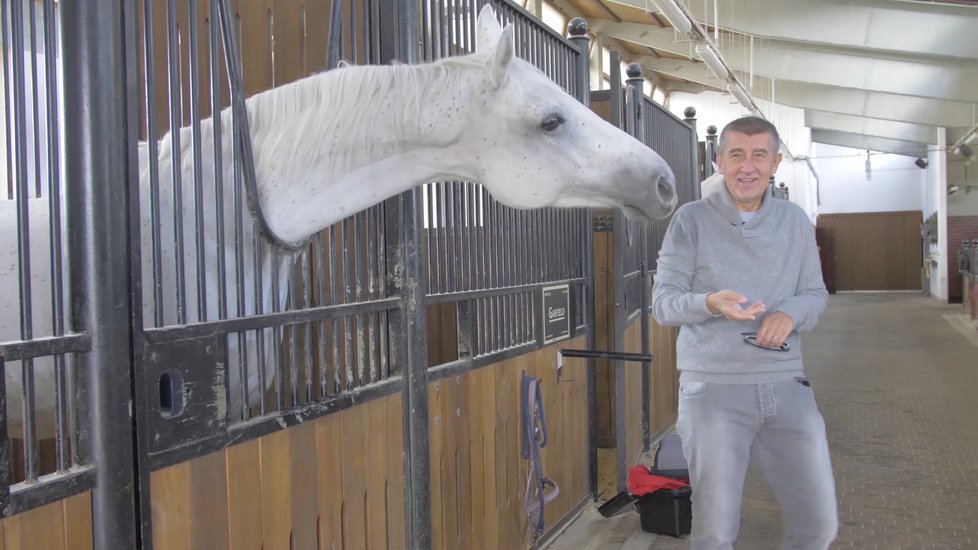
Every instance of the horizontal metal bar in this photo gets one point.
(618, 355)
(42, 347)
(268, 320)
(264, 425)
(466, 364)
(48, 489)
(492, 292)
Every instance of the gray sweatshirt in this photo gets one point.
(771, 258)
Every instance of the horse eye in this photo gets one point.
(552, 122)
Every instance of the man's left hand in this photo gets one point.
(775, 329)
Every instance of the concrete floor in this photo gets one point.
(896, 378)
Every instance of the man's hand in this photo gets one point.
(729, 304)
(775, 328)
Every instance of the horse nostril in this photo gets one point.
(666, 190)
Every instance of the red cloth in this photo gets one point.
(642, 481)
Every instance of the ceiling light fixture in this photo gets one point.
(921, 163)
(712, 60)
(675, 15)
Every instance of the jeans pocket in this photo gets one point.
(689, 389)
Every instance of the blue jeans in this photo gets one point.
(778, 426)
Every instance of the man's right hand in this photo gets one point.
(730, 304)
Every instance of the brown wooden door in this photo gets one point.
(873, 251)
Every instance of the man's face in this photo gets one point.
(747, 163)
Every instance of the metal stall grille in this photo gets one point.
(295, 333)
(487, 263)
(37, 344)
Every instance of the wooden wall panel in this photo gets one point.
(604, 312)
(334, 482)
(665, 378)
(633, 395)
(477, 475)
(61, 525)
(875, 251)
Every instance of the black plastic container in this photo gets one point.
(666, 512)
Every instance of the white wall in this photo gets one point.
(895, 182)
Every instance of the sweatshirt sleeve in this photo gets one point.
(673, 301)
(808, 303)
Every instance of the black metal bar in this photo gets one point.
(40, 347)
(409, 342)
(48, 489)
(212, 328)
(98, 156)
(176, 183)
(615, 355)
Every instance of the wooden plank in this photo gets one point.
(256, 51)
(438, 455)
(463, 462)
(78, 522)
(276, 490)
(354, 448)
(317, 35)
(489, 483)
(244, 496)
(170, 506)
(209, 501)
(41, 528)
(304, 491)
(395, 472)
(329, 475)
(289, 40)
(376, 482)
(478, 385)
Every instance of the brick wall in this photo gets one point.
(958, 229)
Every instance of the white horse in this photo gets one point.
(333, 144)
(711, 184)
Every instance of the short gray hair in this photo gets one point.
(751, 126)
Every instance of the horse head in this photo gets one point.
(536, 146)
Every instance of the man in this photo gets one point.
(739, 271)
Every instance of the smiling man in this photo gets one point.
(739, 272)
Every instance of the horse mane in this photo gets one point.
(349, 102)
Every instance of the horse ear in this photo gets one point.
(501, 56)
(488, 30)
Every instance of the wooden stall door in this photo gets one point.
(875, 251)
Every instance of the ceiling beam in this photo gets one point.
(955, 80)
(822, 120)
(870, 143)
(883, 25)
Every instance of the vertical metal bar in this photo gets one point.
(261, 361)
(578, 30)
(320, 264)
(8, 98)
(382, 288)
(307, 327)
(35, 102)
(154, 169)
(369, 230)
(216, 125)
(63, 428)
(98, 156)
(197, 136)
(351, 378)
(333, 300)
(409, 340)
(176, 121)
(358, 278)
(23, 235)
